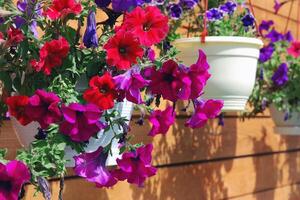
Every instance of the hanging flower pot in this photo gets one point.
(285, 124)
(233, 64)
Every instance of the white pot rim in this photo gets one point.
(223, 39)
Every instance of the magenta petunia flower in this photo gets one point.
(161, 121)
(130, 83)
(12, 176)
(81, 121)
(171, 82)
(91, 166)
(43, 108)
(204, 111)
(199, 75)
(135, 166)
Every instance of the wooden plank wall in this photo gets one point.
(240, 161)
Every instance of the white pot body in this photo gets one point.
(233, 65)
(288, 127)
(26, 136)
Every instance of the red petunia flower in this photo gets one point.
(51, 55)
(294, 49)
(16, 106)
(102, 91)
(15, 36)
(62, 8)
(123, 50)
(149, 25)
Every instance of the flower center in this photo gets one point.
(168, 78)
(104, 89)
(6, 185)
(122, 50)
(146, 26)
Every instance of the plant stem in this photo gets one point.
(61, 188)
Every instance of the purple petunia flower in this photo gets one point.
(102, 3)
(248, 20)
(214, 14)
(277, 6)
(161, 121)
(135, 166)
(175, 11)
(81, 121)
(124, 5)
(266, 53)
(274, 36)
(43, 108)
(265, 26)
(288, 36)
(130, 83)
(91, 166)
(12, 177)
(90, 38)
(280, 77)
(204, 111)
(229, 7)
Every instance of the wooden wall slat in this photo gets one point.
(207, 181)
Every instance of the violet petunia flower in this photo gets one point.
(229, 7)
(102, 3)
(187, 4)
(265, 26)
(266, 53)
(90, 38)
(203, 112)
(161, 121)
(214, 14)
(124, 5)
(130, 83)
(280, 76)
(81, 121)
(136, 166)
(248, 20)
(277, 6)
(175, 11)
(274, 36)
(43, 108)
(288, 36)
(91, 166)
(12, 177)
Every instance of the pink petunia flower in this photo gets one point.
(294, 49)
(43, 108)
(62, 8)
(91, 166)
(204, 111)
(12, 176)
(161, 121)
(135, 166)
(81, 121)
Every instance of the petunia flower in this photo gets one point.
(266, 53)
(204, 111)
(188, 4)
(280, 76)
(214, 14)
(81, 121)
(278, 5)
(124, 5)
(135, 166)
(91, 166)
(265, 26)
(102, 91)
(131, 83)
(248, 20)
(43, 108)
(102, 3)
(51, 55)
(90, 38)
(14, 36)
(294, 49)
(288, 36)
(148, 24)
(274, 36)
(62, 8)
(161, 121)
(16, 107)
(12, 177)
(123, 50)
(170, 82)
(175, 11)
(229, 7)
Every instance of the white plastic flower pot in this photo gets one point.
(285, 127)
(233, 65)
(26, 136)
